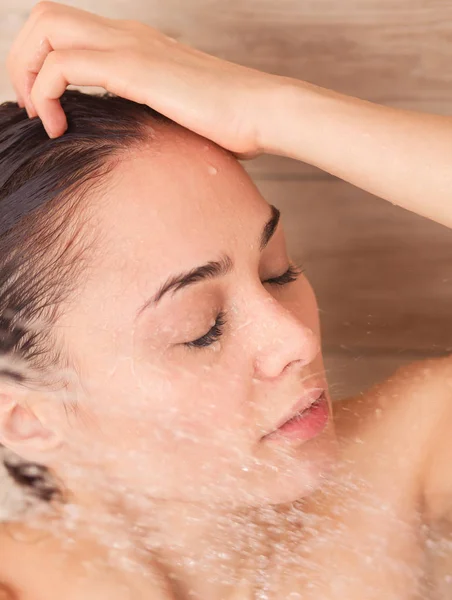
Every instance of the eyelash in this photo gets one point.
(214, 334)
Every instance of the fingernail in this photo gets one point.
(50, 133)
(54, 132)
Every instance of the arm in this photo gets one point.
(400, 155)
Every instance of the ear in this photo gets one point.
(21, 429)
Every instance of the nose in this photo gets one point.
(282, 339)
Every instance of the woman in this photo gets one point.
(164, 410)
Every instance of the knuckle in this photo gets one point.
(43, 8)
(55, 59)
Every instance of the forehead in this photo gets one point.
(185, 197)
(163, 210)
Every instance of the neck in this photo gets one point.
(202, 552)
(205, 551)
(197, 551)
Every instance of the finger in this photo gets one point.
(29, 76)
(51, 27)
(21, 70)
(13, 52)
(62, 68)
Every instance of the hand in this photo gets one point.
(61, 45)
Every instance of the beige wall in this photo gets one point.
(382, 275)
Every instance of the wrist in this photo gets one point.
(299, 117)
(283, 104)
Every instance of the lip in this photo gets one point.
(308, 422)
(305, 402)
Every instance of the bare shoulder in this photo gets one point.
(30, 559)
(409, 414)
(428, 370)
(437, 472)
(424, 385)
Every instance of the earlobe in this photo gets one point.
(22, 431)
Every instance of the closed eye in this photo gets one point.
(215, 333)
(292, 274)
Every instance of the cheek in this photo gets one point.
(165, 406)
(212, 407)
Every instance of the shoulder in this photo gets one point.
(437, 468)
(420, 388)
(408, 419)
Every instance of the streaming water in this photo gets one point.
(343, 540)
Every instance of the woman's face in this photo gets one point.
(162, 407)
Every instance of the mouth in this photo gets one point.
(309, 418)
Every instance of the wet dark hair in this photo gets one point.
(43, 234)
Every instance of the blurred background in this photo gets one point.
(383, 276)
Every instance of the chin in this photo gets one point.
(293, 475)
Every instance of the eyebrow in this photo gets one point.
(212, 269)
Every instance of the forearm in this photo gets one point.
(400, 155)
